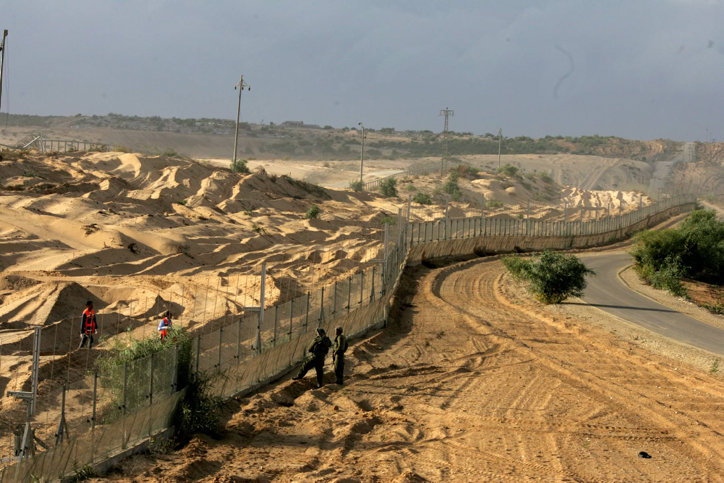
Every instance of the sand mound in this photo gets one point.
(44, 303)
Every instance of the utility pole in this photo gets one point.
(362, 157)
(241, 87)
(447, 113)
(2, 63)
(500, 143)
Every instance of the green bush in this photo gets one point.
(451, 186)
(388, 220)
(312, 212)
(240, 166)
(388, 187)
(508, 170)
(695, 250)
(422, 198)
(169, 152)
(197, 412)
(545, 177)
(411, 188)
(494, 204)
(552, 277)
(356, 185)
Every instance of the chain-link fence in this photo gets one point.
(86, 413)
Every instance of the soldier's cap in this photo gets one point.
(90, 302)
(320, 331)
(338, 329)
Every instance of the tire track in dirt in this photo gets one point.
(608, 380)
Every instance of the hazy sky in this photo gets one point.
(633, 68)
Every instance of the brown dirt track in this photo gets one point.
(470, 383)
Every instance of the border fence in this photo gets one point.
(102, 413)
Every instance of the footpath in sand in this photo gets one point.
(470, 383)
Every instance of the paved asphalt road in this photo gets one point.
(607, 292)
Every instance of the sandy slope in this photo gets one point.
(468, 384)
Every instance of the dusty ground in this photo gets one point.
(471, 382)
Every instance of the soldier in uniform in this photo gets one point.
(317, 353)
(338, 350)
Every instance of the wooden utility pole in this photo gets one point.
(241, 87)
(2, 64)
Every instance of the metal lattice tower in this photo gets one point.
(447, 113)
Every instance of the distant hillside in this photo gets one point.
(297, 140)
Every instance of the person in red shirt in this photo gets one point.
(164, 326)
(88, 325)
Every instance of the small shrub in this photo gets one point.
(388, 187)
(258, 229)
(168, 152)
(422, 198)
(552, 277)
(388, 220)
(451, 186)
(494, 204)
(312, 212)
(717, 308)
(545, 177)
(508, 170)
(181, 202)
(411, 188)
(197, 412)
(240, 166)
(356, 185)
(714, 366)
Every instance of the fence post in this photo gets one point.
(150, 398)
(276, 322)
(349, 294)
(372, 292)
(261, 308)
(334, 300)
(321, 309)
(95, 399)
(198, 352)
(306, 317)
(123, 407)
(238, 339)
(221, 345)
(291, 317)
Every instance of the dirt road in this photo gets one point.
(470, 383)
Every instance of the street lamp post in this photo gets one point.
(362, 157)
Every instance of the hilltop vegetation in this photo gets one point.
(295, 139)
